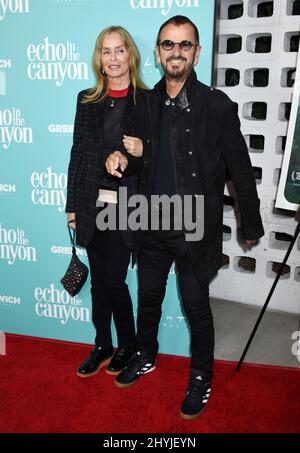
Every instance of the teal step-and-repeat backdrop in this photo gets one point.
(45, 60)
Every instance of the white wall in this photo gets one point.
(232, 284)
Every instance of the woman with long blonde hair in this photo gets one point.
(104, 122)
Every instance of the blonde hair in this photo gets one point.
(100, 90)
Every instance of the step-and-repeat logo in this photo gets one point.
(2, 84)
(13, 7)
(4, 64)
(49, 189)
(56, 304)
(9, 300)
(63, 250)
(57, 62)
(7, 188)
(13, 129)
(15, 246)
(61, 129)
(149, 67)
(174, 321)
(165, 6)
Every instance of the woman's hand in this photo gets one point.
(133, 145)
(114, 162)
(71, 219)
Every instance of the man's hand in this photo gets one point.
(133, 145)
(71, 219)
(251, 242)
(114, 161)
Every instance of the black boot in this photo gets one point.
(120, 359)
(196, 396)
(139, 364)
(98, 358)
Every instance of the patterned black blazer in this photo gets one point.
(87, 158)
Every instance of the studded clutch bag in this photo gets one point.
(76, 273)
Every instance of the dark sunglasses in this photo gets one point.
(167, 44)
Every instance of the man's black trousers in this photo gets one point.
(158, 251)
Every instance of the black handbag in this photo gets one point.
(77, 272)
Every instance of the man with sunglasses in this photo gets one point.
(191, 137)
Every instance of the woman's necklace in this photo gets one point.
(114, 94)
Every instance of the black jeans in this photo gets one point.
(159, 249)
(109, 258)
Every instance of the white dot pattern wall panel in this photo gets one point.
(257, 55)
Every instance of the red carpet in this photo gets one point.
(41, 393)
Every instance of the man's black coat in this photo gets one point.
(206, 143)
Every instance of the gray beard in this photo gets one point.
(177, 74)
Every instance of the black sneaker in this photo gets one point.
(120, 359)
(98, 358)
(196, 396)
(139, 364)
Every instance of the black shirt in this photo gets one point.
(112, 136)
(164, 178)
